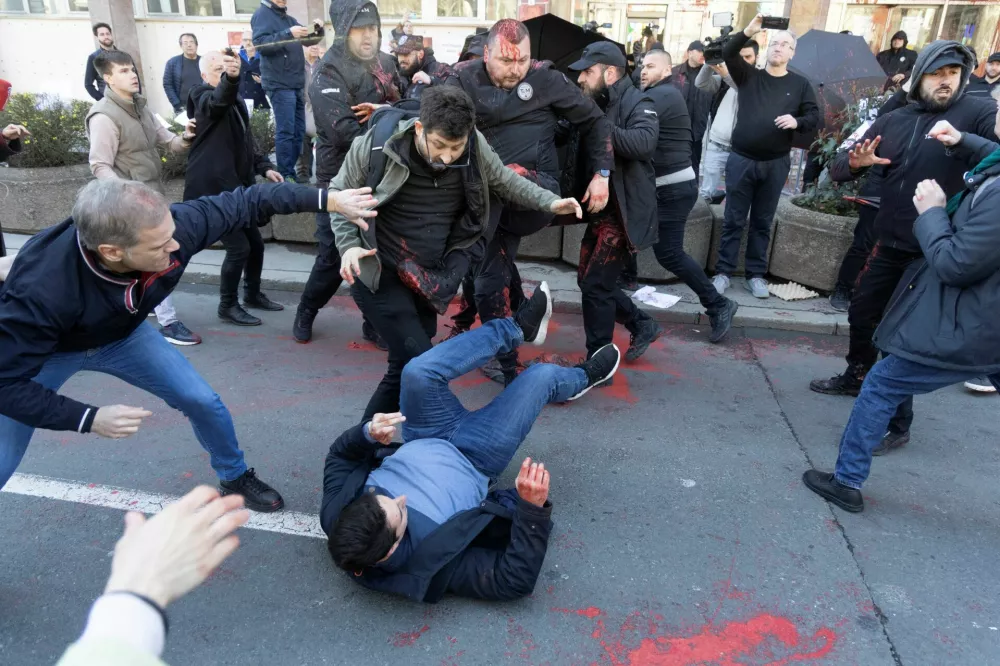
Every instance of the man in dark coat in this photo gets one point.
(92, 79)
(983, 86)
(936, 93)
(519, 103)
(628, 224)
(417, 519)
(418, 68)
(353, 78)
(699, 102)
(182, 72)
(250, 84)
(943, 326)
(224, 157)
(897, 61)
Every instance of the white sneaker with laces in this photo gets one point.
(980, 385)
(758, 287)
(721, 282)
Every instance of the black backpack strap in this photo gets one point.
(382, 125)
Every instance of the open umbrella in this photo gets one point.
(560, 41)
(841, 69)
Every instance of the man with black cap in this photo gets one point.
(418, 69)
(983, 86)
(897, 61)
(628, 223)
(897, 141)
(353, 78)
(699, 102)
(519, 103)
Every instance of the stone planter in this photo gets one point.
(809, 246)
(546, 244)
(37, 198)
(718, 212)
(697, 237)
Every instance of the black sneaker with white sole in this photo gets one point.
(600, 367)
(533, 316)
(257, 495)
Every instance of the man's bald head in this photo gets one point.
(655, 68)
(212, 67)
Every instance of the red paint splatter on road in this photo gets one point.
(187, 475)
(589, 612)
(408, 638)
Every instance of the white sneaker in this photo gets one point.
(980, 385)
(758, 287)
(721, 282)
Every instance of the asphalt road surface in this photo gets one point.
(683, 533)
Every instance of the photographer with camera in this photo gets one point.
(773, 103)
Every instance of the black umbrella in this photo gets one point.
(841, 69)
(560, 41)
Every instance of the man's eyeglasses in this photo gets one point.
(463, 161)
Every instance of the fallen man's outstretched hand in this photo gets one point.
(533, 483)
(382, 427)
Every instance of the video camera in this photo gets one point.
(713, 47)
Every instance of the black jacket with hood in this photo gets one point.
(223, 155)
(699, 102)
(673, 144)
(342, 81)
(897, 61)
(914, 157)
(438, 71)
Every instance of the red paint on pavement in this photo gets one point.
(408, 638)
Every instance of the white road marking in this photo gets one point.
(128, 499)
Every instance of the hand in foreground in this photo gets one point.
(422, 77)
(382, 427)
(299, 31)
(720, 69)
(256, 78)
(533, 483)
(863, 154)
(898, 77)
(274, 176)
(189, 130)
(350, 263)
(596, 196)
(232, 66)
(945, 133)
(755, 26)
(929, 195)
(786, 122)
(173, 552)
(5, 264)
(365, 110)
(353, 204)
(118, 421)
(567, 207)
(13, 132)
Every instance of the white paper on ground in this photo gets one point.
(650, 296)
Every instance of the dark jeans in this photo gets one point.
(603, 253)
(861, 247)
(304, 165)
(892, 382)
(407, 323)
(324, 278)
(466, 315)
(289, 128)
(673, 205)
(752, 191)
(875, 286)
(696, 148)
(244, 256)
(489, 437)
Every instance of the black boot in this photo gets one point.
(259, 301)
(840, 299)
(890, 441)
(302, 329)
(645, 332)
(848, 383)
(827, 487)
(369, 333)
(235, 314)
(723, 321)
(257, 495)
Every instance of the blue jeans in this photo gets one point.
(145, 360)
(890, 382)
(752, 191)
(489, 437)
(289, 128)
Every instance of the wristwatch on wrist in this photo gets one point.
(604, 173)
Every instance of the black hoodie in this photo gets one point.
(897, 61)
(913, 156)
(343, 81)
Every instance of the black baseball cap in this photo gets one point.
(696, 46)
(367, 15)
(994, 57)
(599, 53)
(949, 57)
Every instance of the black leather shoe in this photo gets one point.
(302, 328)
(840, 299)
(235, 314)
(646, 332)
(723, 321)
(891, 440)
(260, 301)
(824, 485)
(846, 384)
(369, 334)
(257, 495)
(627, 282)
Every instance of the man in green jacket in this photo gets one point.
(433, 212)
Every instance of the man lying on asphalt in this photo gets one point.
(417, 519)
(76, 298)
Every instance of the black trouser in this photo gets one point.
(875, 286)
(752, 191)
(244, 256)
(304, 167)
(810, 175)
(407, 323)
(3, 247)
(324, 279)
(861, 247)
(673, 205)
(603, 252)
(466, 315)
(696, 147)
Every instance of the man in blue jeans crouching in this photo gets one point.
(417, 519)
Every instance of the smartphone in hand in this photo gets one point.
(774, 23)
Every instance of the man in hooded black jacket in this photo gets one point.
(907, 157)
(519, 102)
(418, 68)
(353, 78)
(897, 61)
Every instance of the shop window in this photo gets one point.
(398, 9)
(203, 7)
(973, 26)
(501, 9)
(163, 7)
(79, 6)
(28, 6)
(919, 23)
(247, 6)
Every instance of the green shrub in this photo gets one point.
(58, 132)
(174, 164)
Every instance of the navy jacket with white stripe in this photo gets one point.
(59, 298)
